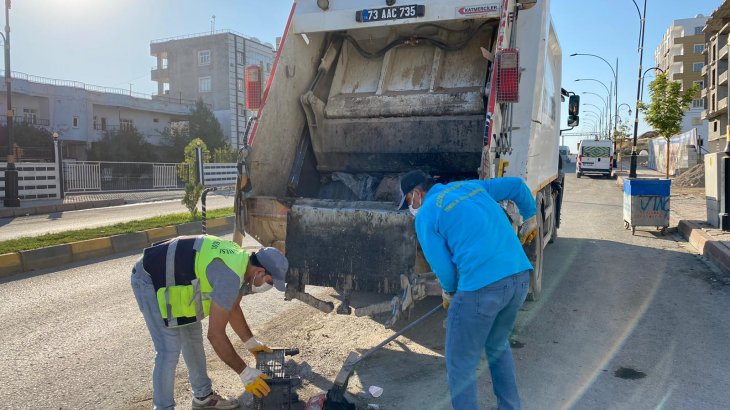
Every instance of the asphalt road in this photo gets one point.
(626, 322)
(11, 228)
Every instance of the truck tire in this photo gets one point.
(536, 255)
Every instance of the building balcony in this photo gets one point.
(704, 70)
(160, 74)
(722, 79)
(721, 106)
(704, 114)
(703, 93)
(722, 52)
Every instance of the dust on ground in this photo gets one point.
(691, 178)
(411, 369)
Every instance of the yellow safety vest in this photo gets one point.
(178, 271)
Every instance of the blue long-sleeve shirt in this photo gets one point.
(462, 228)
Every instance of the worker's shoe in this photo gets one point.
(214, 401)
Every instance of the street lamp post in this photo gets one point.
(615, 77)
(600, 97)
(641, 96)
(642, 16)
(11, 174)
(608, 101)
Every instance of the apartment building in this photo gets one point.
(81, 113)
(212, 66)
(716, 76)
(681, 56)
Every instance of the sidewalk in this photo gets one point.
(689, 214)
(73, 202)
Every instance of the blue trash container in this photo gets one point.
(646, 203)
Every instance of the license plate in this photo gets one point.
(390, 13)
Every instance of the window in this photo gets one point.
(699, 48)
(166, 88)
(164, 63)
(204, 84)
(698, 30)
(714, 126)
(30, 115)
(204, 57)
(126, 125)
(697, 67)
(239, 84)
(103, 123)
(239, 58)
(241, 110)
(700, 83)
(698, 103)
(75, 122)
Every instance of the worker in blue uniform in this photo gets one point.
(472, 248)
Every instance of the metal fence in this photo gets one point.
(101, 176)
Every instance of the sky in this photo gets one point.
(106, 42)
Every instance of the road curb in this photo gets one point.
(716, 252)
(50, 209)
(52, 256)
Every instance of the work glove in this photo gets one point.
(255, 382)
(446, 299)
(254, 346)
(528, 231)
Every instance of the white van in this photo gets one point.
(594, 157)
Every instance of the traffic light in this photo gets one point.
(573, 110)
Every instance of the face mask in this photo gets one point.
(260, 289)
(411, 209)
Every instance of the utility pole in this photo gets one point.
(11, 174)
(632, 171)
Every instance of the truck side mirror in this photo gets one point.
(573, 110)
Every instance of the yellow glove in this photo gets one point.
(255, 382)
(446, 299)
(528, 231)
(254, 346)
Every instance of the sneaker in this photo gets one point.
(214, 401)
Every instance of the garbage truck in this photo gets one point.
(362, 92)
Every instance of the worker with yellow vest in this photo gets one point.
(179, 282)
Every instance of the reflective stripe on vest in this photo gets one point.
(189, 301)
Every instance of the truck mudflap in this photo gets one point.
(351, 246)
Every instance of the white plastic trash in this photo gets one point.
(375, 391)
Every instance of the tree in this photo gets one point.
(205, 126)
(667, 107)
(125, 145)
(193, 188)
(29, 142)
(174, 140)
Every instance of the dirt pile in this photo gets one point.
(691, 178)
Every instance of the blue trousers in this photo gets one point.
(482, 320)
(169, 343)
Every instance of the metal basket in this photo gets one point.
(282, 395)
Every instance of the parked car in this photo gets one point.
(595, 157)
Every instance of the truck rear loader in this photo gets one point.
(362, 92)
